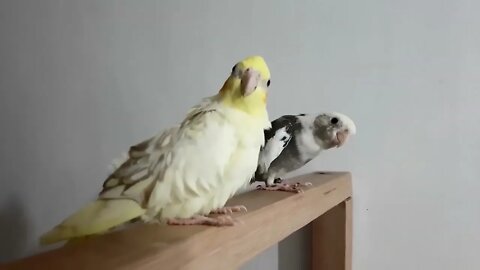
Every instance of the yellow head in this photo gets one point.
(246, 87)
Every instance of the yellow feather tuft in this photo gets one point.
(257, 63)
(255, 103)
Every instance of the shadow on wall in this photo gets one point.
(13, 229)
(294, 252)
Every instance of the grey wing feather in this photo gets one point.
(277, 139)
(136, 177)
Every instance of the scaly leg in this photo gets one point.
(285, 187)
(229, 209)
(203, 220)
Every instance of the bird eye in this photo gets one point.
(233, 69)
(268, 83)
(334, 120)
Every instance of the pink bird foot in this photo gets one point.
(229, 209)
(203, 220)
(285, 187)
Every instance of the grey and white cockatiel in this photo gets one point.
(294, 140)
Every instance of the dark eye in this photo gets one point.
(268, 83)
(233, 69)
(334, 120)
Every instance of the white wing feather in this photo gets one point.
(273, 148)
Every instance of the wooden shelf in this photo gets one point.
(271, 217)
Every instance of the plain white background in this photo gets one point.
(83, 80)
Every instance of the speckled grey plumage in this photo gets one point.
(294, 140)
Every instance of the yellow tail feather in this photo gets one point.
(96, 217)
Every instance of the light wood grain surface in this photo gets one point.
(332, 239)
(271, 217)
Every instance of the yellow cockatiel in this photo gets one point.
(188, 171)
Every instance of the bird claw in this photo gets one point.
(219, 221)
(229, 209)
(285, 187)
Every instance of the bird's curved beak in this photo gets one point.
(342, 137)
(249, 81)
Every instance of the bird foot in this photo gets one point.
(223, 220)
(229, 209)
(285, 187)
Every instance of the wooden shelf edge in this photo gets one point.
(271, 217)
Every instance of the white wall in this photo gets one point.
(82, 80)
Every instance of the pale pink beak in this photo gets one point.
(342, 137)
(249, 81)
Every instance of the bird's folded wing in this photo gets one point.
(277, 138)
(205, 141)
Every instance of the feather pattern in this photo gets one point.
(295, 140)
(276, 139)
